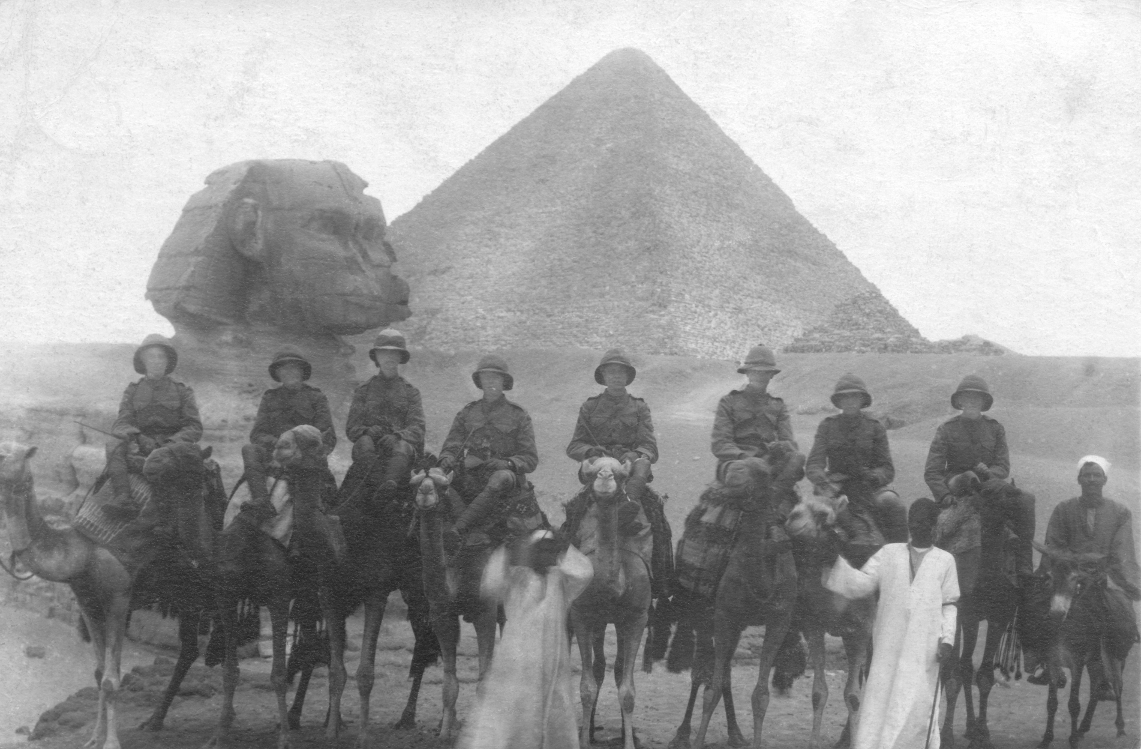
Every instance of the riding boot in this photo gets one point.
(397, 469)
(258, 508)
(121, 505)
(477, 510)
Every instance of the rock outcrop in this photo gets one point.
(617, 214)
(281, 245)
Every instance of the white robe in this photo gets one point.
(912, 618)
(528, 699)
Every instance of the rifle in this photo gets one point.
(97, 429)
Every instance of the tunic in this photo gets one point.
(162, 409)
(960, 445)
(617, 424)
(282, 409)
(529, 701)
(849, 446)
(493, 430)
(747, 422)
(393, 404)
(912, 618)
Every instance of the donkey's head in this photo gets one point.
(1071, 575)
(429, 485)
(606, 476)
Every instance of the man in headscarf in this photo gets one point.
(914, 633)
(1094, 523)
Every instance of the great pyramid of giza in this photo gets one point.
(617, 214)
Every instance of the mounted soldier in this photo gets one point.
(976, 443)
(851, 456)
(618, 425)
(386, 418)
(491, 447)
(154, 411)
(292, 404)
(750, 420)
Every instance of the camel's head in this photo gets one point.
(1072, 575)
(300, 448)
(815, 514)
(606, 476)
(14, 468)
(176, 461)
(429, 485)
(964, 484)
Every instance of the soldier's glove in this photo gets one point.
(830, 547)
(146, 444)
(126, 433)
(499, 464)
(595, 452)
(982, 472)
(869, 476)
(376, 432)
(388, 442)
(445, 464)
(630, 457)
(946, 653)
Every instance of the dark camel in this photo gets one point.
(758, 586)
(816, 524)
(254, 567)
(451, 591)
(1070, 605)
(381, 558)
(101, 580)
(619, 592)
(986, 594)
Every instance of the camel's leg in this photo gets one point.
(775, 632)
(724, 632)
(117, 611)
(187, 654)
(279, 617)
(630, 641)
(228, 611)
(485, 625)
(736, 738)
(1074, 702)
(856, 649)
(950, 676)
(95, 627)
(366, 671)
(967, 673)
(1051, 710)
(600, 674)
(984, 679)
(681, 737)
(588, 685)
(335, 625)
(815, 637)
(447, 629)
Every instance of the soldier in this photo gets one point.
(618, 425)
(850, 456)
(154, 411)
(974, 442)
(292, 404)
(492, 446)
(750, 420)
(386, 418)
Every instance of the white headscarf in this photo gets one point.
(1096, 460)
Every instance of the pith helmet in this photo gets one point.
(290, 355)
(849, 383)
(390, 339)
(154, 339)
(760, 357)
(972, 384)
(493, 363)
(615, 356)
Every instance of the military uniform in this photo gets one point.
(152, 413)
(386, 421)
(961, 445)
(748, 422)
(283, 408)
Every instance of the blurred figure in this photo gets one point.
(527, 700)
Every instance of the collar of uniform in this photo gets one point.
(606, 394)
(493, 405)
(155, 382)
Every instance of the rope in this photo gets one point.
(9, 570)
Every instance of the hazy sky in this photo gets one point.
(978, 161)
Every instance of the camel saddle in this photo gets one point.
(280, 527)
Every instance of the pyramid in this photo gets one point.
(617, 214)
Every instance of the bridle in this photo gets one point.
(21, 492)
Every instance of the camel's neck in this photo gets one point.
(305, 486)
(49, 553)
(607, 558)
(432, 551)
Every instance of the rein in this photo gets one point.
(23, 493)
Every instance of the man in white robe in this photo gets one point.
(914, 633)
(528, 699)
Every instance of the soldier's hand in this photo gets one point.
(376, 432)
(630, 457)
(982, 471)
(499, 464)
(388, 441)
(445, 464)
(127, 432)
(146, 444)
(945, 654)
(595, 452)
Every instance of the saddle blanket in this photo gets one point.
(959, 527)
(280, 526)
(703, 551)
(101, 527)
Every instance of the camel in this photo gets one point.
(451, 592)
(1069, 606)
(253, 566)
(758, 586)
(819, 611)
(101, 579)
(381, 558)
(986, 594)
(619, 592)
